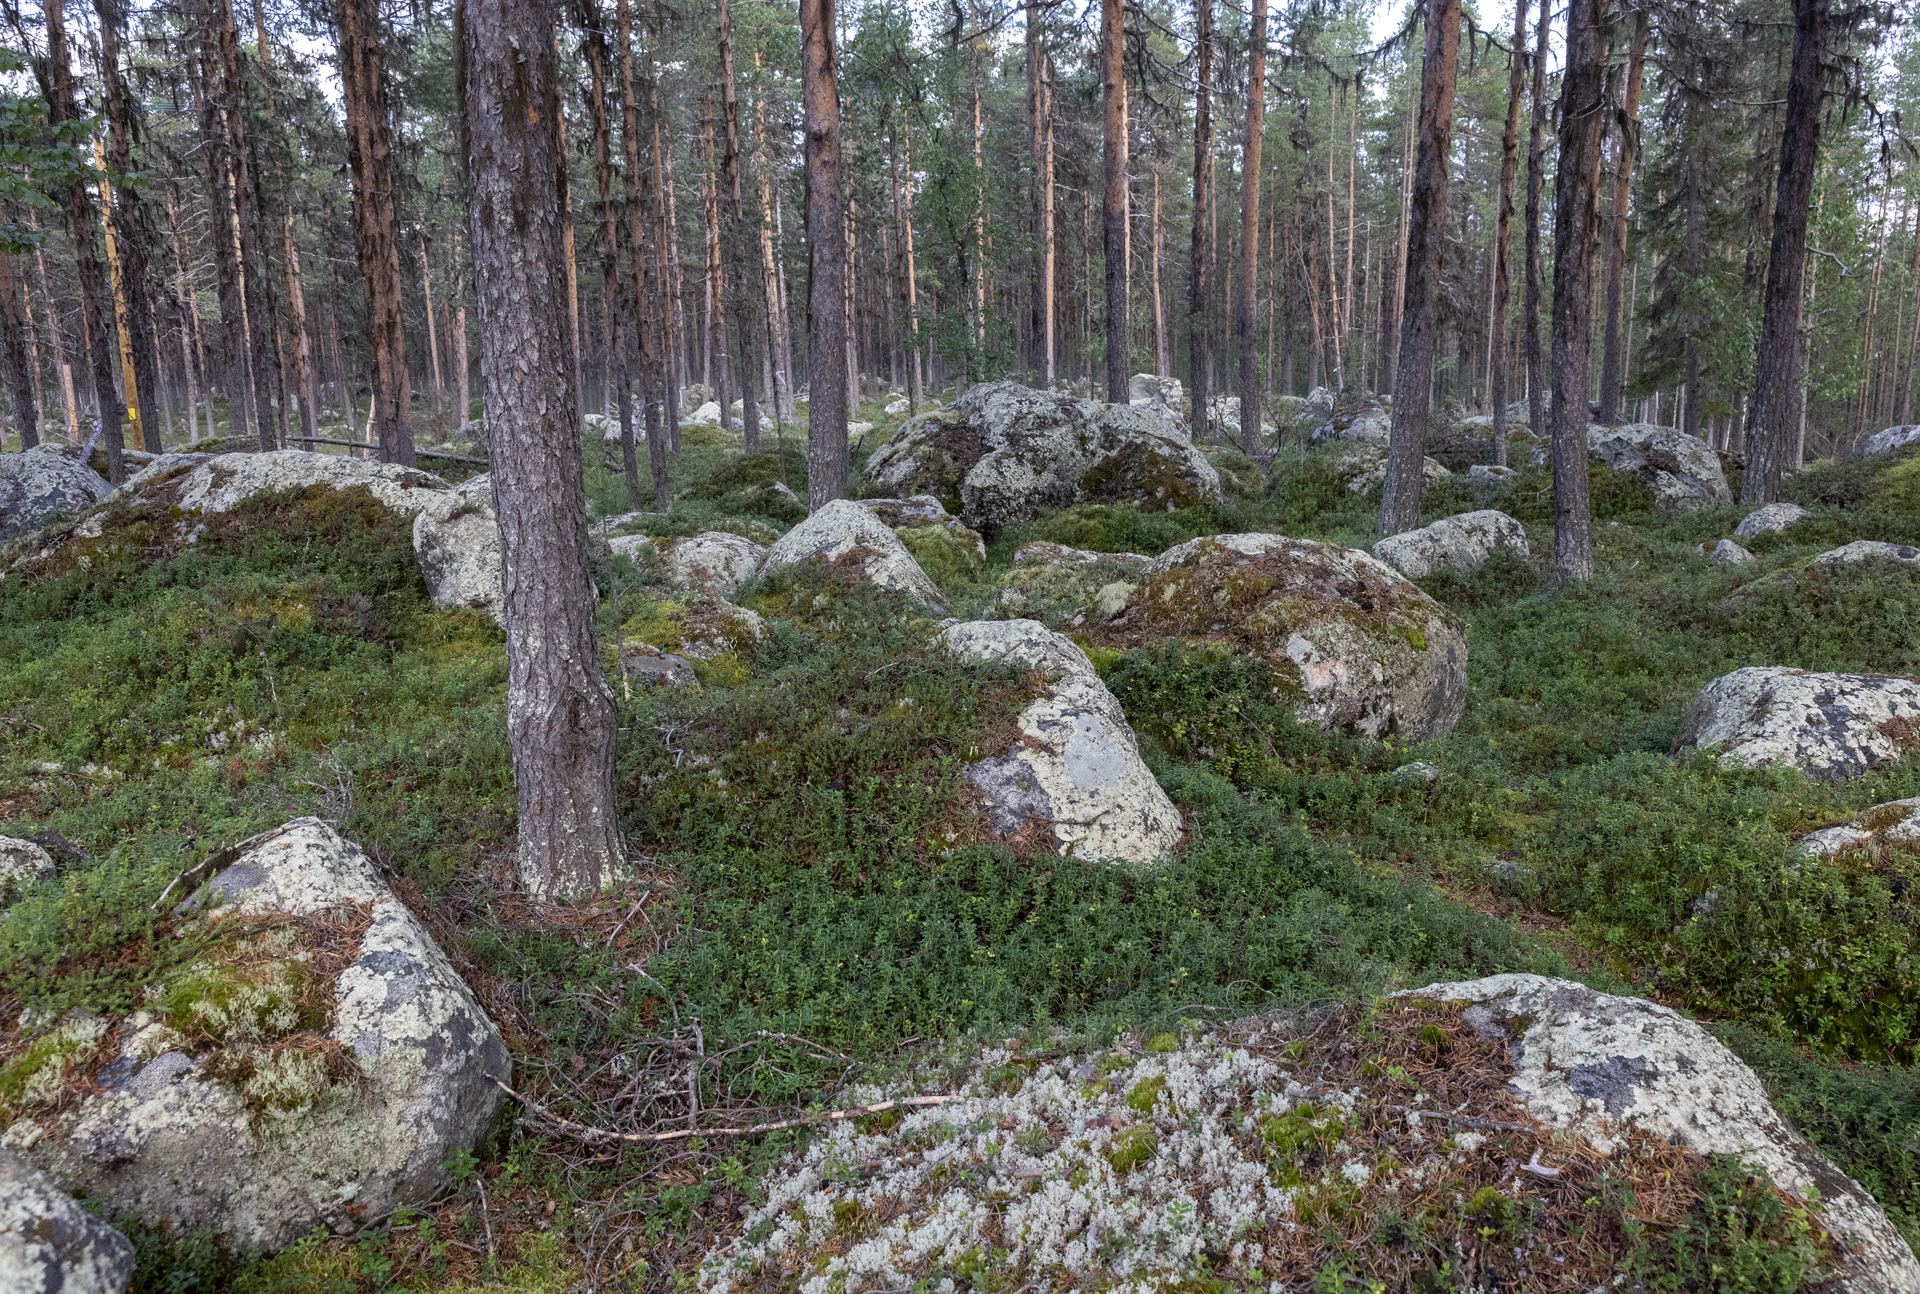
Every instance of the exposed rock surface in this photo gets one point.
(1768, 518)
(1356, 417)
(1160, 392)
(456, 540)
(1593, 1063)
(1004, 453)
(21, 863)
(42, 483)
(844, 533)
(1364, 467)
(1460, 544)
(1352, 645)
(1075, 771)
(934, 536)
(645, 663)
(1895, 823)
(700, 629)
(1725, 553)
(1892, 438)
(716, 562)
(1053, 584)
(225, 481)
(281, 1126)
(1488, 474)
(1223, 420)
(708, 414)
(1866, 550)
(49, 1244)
(1831, 726)
(1682, 471)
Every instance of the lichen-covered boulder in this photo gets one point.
(707, 415)
(1357, 417)
(314, 1068)
(1596, 1064)
(1869, 550)
(456, 540)
(225, 481)
(1724, 553)
(1363, 468)
(715, 562)
(1223, 420)
(1057, 585)
(645, 663)
(49, 1244)
(938, 540)
(1882, 442)
(1073, 776)
(1489, 474)
(1460, 544)
(1004, 453)
(1768, 518)
(1159, 392)
(1896, 824)
(1351, 644)
(1682, 471)
(1830, 726)
(718, 637)
(848, 535)
(44, 482)
(21, 864)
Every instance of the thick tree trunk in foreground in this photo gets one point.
(26, 406)
(1576, 237)
(1419, 315)
(1243, 323)
(1113, 224)
(1503, 234)
(1201, 256)
(1772, 425)
(57, 85)
(376, 227)
(1536, 182)
(560, 712)
(1613, 360)
(826, 260)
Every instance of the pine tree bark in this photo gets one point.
(661, 203)
(739, 244)
(1200, 258)
(560, 712)
(235, 369)
(246, 215)
(1503, 235)
(1246, 336)
(636, 174)
(826, 260)
(1536, 183)
(376, 226)
(56, 84)
(134, 241)
(1040, 145)
(609, 239)
(304, 380)
(1426, 230)
(26, 406)
(1777, 393)
(1576, 237)
(1113, 226)
(1613, 353)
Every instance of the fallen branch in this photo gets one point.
(586, 1133)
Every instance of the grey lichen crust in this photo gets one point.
(1768, 518)
(164, 1137)
(843, 529)
(1076, 767)
(1682, 471)
(456, 540)
(1882, 442)
(1895, 824)
(1831, 726)
(44, 482)
(1592, 1063)
(21, 863)
(49, 1244)
(225, 481)
(1867, 550)
(1459, 544)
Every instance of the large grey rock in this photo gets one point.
(1867, 550)
(225, 481)
(1223, 420)
(1362, 468)
(1768, 518)
(1075, 768)
(1159, 392)
(44, 482)
(1682, 471)
(21, 864)
(1350, 643)
(1355, 417)
(49, 1244)
(1004, 453)
(1056, 585)
(715, 562)
(285, 1123)
(1892, 438)
(456, 540)
(1895, 823)
(1459, 544)
(1831, 726)
(645, 663)
(1596, 1064)
(844, 533)
(1725, 553)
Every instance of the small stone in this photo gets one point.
(1767, 519)
(1864, 550)
(644, 663)
(21, 863)
(1724, 553)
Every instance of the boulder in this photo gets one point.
(1488, 474)
(1869, 550)
(1355, 417)
(938, 540)
(897, 407)
(1831, 726)
(1351, 644)
(49, 1244)
(1768, 518)
(1682, 471)
(1159, 392)
(707, 414)
(1882, 442)
(1223, 421)
(1459, 544)
(1724, 553)
(848, 535)
(456, 540)
(316, 1068)
(225, 481)
(44, 482)
(702, 628)
(715, 562)
(1362, 468)
(21, 864)
(1896, 823)
(158, 467)
(1004, 454)
(1056, 585)
(645, 663)
(1073, 774)
(1596, 1064)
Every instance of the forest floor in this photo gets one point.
(802, 934)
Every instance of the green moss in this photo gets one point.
(1142, 1095)
(36, 1075)
(949, 559)
(1132, 1147)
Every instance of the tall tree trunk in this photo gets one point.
(916, 391)
(56, 83)
(376, 228)
(1199, 290)
(609, 236)
(1245, 335)
(1162, 350)
(1776, 386)
(719, 344)
(1576, 206)
(1040, 145)
(1390, 333)
(779, 345)
(246, 214)
(739, 240)
(1113, 38)
(1613, 361)
(304, 381)
(660, 200)
(26, 407)
(236, 381)
(1536, 183)
(1503, 236)
(826, 260)
(651, 395)
(560, 712)
(122, 316)
(127, 218)
(433, 333)
(1426, 230)
(460, 357)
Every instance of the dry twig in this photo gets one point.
(586, 1133)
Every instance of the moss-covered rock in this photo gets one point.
(1055, 584)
